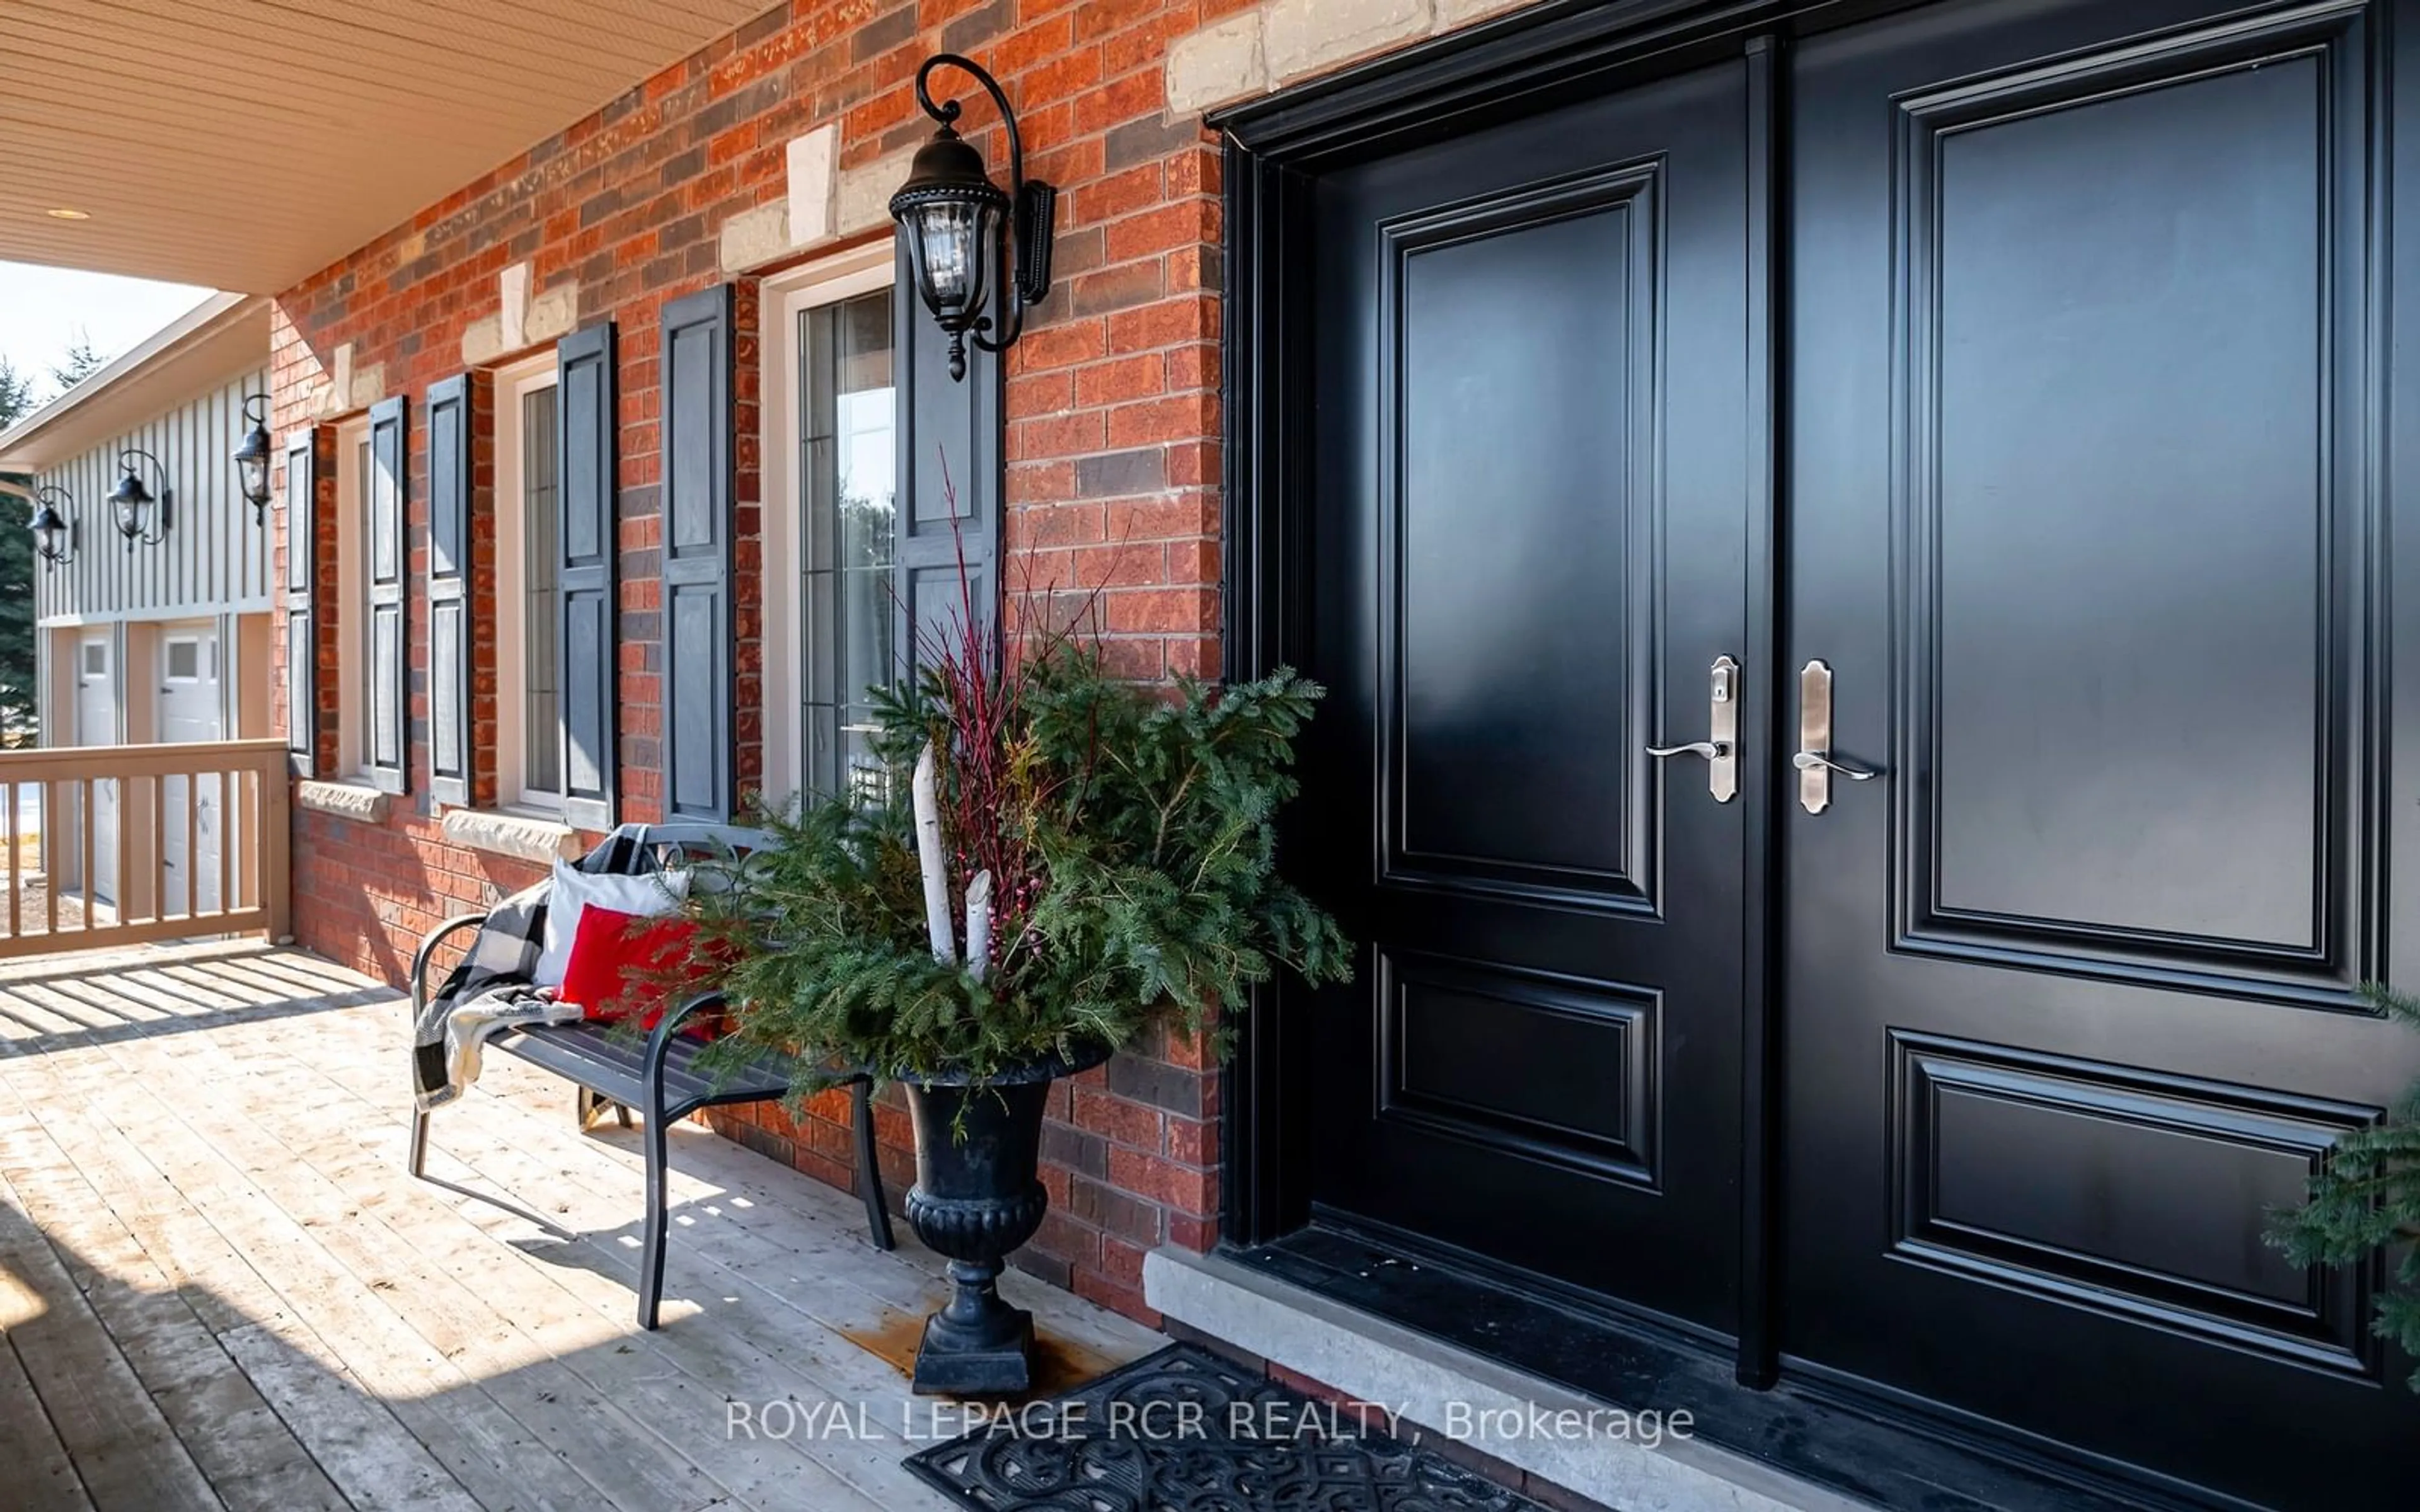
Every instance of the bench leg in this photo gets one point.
(416, 1153)
(651, 1253)
(869, 1169)
(589, 1106)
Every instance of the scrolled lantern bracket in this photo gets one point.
(959, 225)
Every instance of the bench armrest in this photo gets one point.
(428, 952)
(660, 1037)
(659, 1041)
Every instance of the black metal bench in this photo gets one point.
(659, 1076)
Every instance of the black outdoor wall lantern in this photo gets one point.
(54, 533)
(252, 458)
(958, 224)
(141, 517)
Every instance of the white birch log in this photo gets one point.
(928, 855)
(978, 923)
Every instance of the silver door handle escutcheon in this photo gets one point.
(1815, 763)
(1721, 751)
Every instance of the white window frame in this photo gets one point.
(512, 386)
(352, 604)
(785, 298)
(168, 657)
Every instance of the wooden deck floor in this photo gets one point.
(218, 1287)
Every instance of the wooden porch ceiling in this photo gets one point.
(218, 1287)
(246, 144)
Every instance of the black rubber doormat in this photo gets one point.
(1183, 1431)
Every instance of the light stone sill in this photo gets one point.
(357, 801)
(522, 836)
(1372, 1360)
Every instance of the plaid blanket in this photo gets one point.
(489, 990)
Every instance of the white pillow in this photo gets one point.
(647, 897)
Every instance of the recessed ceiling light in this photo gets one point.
(63, 213)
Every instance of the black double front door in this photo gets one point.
(2073, 564)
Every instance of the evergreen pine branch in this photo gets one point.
(1147, 825)
(2365, 1199)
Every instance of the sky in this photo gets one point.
(44, 311)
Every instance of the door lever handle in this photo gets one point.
(1721, 750)
(1810, 761)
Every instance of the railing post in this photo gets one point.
(53, 863)
(222, 786)
(90, 800)
(276, 837)
(16, 855)
(124, 879)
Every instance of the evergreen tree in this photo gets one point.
(16, 395)
(18, 713)
(80, 360)
(2366, 1198)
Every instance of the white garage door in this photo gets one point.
(96, 725)
(189, 712)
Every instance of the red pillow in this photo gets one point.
(623, 964)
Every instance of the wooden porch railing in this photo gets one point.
(112, 846)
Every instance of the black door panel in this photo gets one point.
(1527, 547)
(2086, 424)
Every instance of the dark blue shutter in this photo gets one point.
(301, 620)
(586, 663)
(450, 626)
(947, 429)
(698, 685)
(385, 569)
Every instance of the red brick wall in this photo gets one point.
(1112, 450)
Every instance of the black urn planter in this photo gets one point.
(978, 1196)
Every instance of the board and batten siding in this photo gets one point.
(215, 557)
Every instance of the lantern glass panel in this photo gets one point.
(252, 466)
(949, 240)
(50, 533)
(130, 498)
